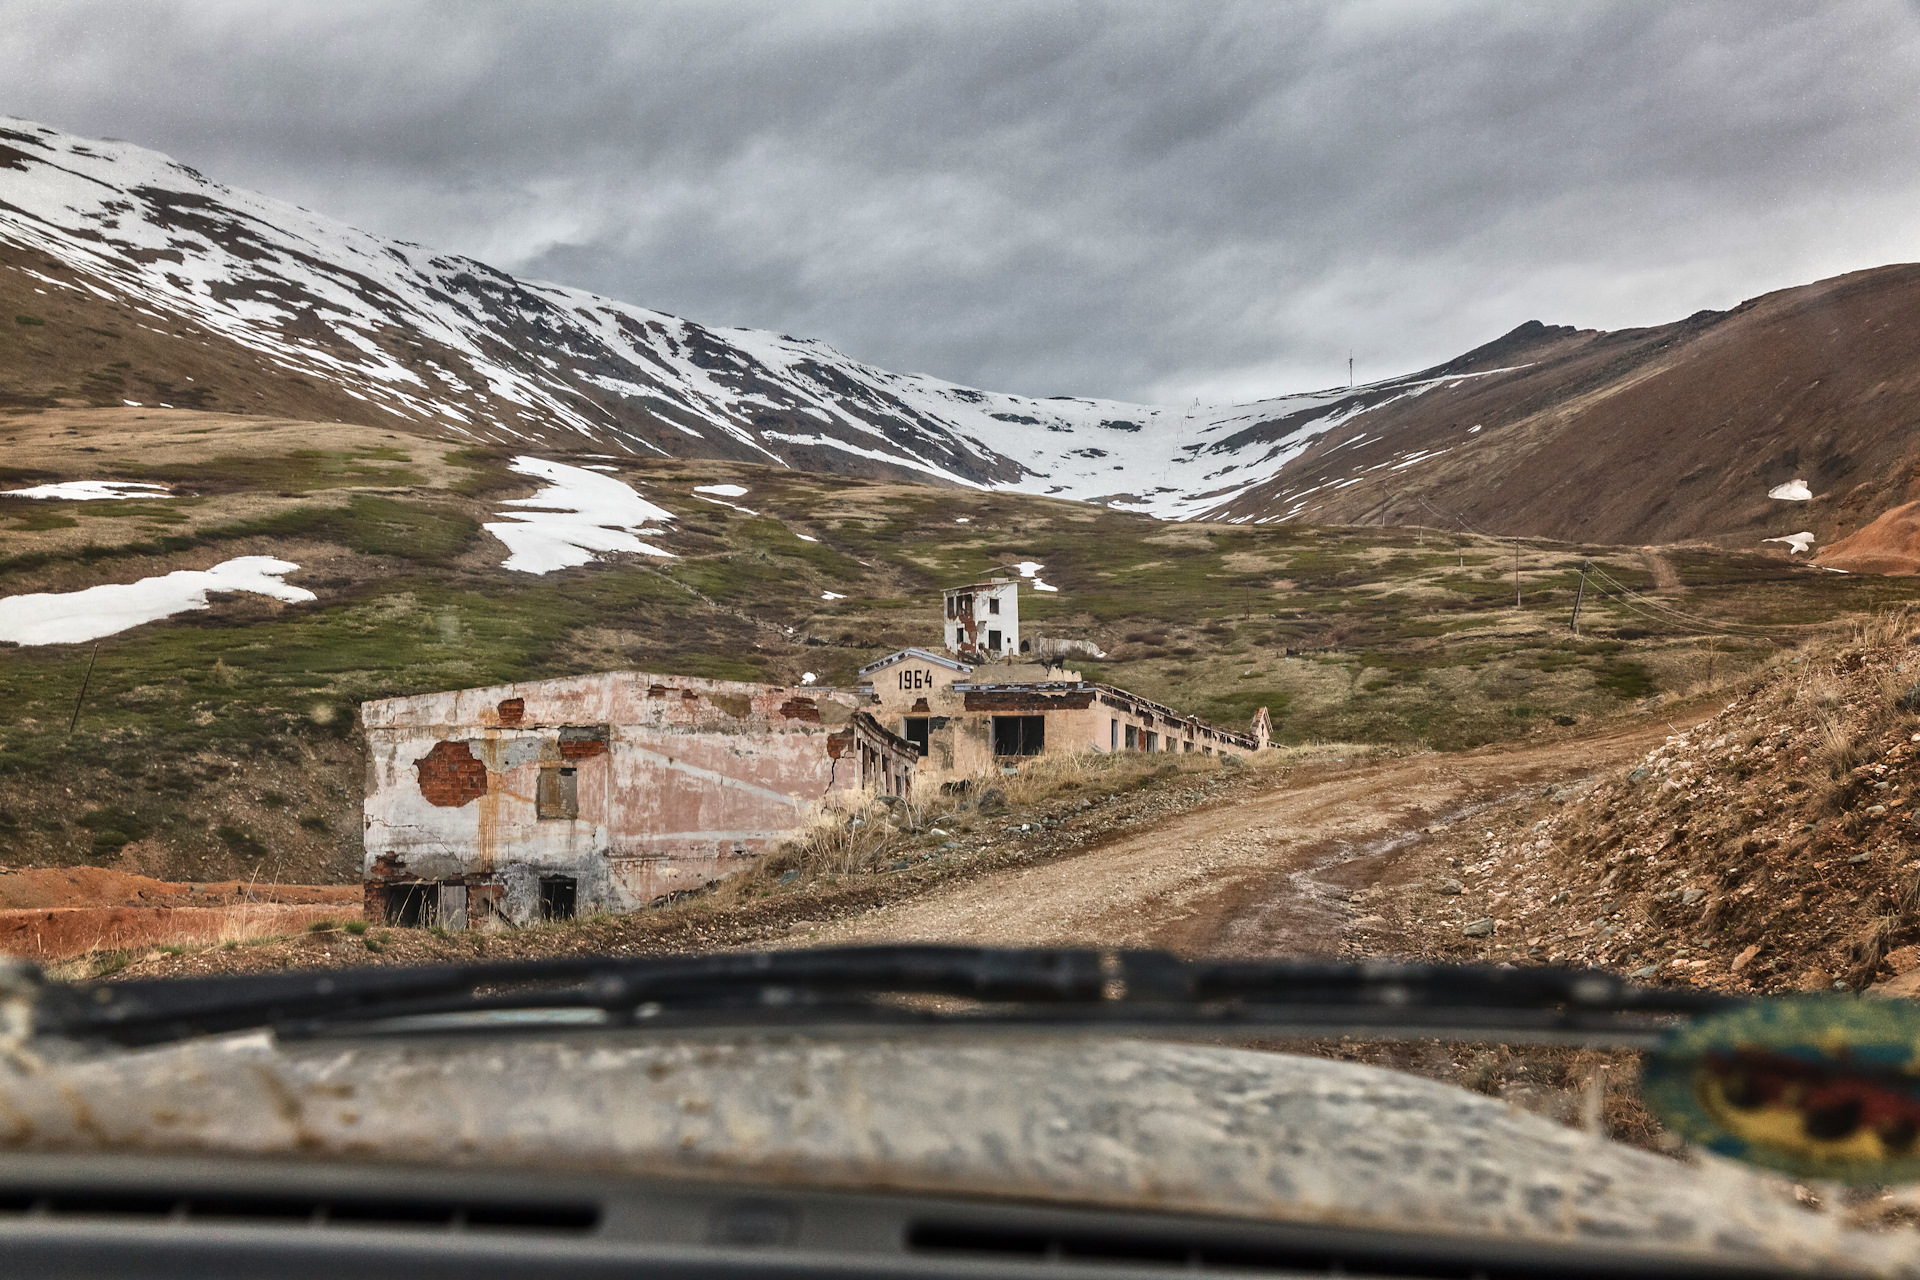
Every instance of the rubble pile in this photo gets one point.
(1774, 847)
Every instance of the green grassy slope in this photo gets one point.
(223, 742)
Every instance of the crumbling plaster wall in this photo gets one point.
(674, 779)
(974, 612)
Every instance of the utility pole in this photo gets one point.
(1349, 370)
(1580, 595)
(84, 682)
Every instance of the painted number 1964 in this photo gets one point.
(916, 679)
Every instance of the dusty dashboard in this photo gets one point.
(188, 1217)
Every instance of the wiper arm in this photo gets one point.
(1035, 987)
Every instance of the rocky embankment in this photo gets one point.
(1773, 847)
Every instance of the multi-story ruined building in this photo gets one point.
(965, 718)
(608, 792)
(983, 620)
(598, 793)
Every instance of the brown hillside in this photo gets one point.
(1649, 435)
(71, 348)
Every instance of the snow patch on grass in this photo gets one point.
(1797, 543)
(722, 490)
(90, 490)
(72, 616)
(1791, 491)
(1030, 570)
(578, 516)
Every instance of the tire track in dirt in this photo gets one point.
(1263, 874)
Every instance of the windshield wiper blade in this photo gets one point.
(1039, 987)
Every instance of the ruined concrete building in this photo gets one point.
(598, 793)
(607, 792)
(983, 620)
(965, 718)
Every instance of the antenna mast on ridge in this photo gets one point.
(1349, 370)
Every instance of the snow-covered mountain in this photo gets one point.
(439, 341)
(161, 285)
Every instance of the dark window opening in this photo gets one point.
(413, 906)
(1150, 742)
(993, 641)
(558, 896)
(1133, 738)
(1026, 646)
(917, 733)
(558, 795)
(993, 606)
(1019, 735)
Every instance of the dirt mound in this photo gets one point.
(52, 913)
(59, 933)
(42, 887)
(1773, 847)
(1890, 545)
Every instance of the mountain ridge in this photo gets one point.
(133, 277)
(443, 342)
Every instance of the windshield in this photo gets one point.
(1125, 488)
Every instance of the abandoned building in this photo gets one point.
(982, 706)
(963, 719)
(983, 620)
(608, 792)
(598, 793)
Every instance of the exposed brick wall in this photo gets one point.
(512, 712)
(1029, 702)
(580, 743)
(450, 776)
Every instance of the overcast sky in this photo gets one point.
(1150, 201)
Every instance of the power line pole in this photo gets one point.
(84, 682)
(1580, 595)
(1349, 370)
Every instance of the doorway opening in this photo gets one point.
(558, 896)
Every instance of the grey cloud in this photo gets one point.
(1136, 200)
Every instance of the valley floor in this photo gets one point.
(1323, 857)
(1331, 857)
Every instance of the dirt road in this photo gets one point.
(1266, 874)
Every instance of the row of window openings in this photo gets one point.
(1012, 735)
(424, 903)
(993, 641)
(1138, 739)
(1027, 736)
